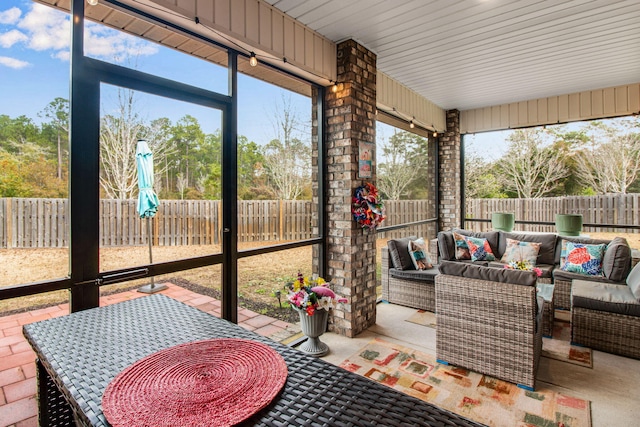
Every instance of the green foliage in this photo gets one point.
(481, 178)
(12, 183)
(402, 166)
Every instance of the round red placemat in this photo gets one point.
(216, 382)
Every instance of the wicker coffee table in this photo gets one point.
(80, 354)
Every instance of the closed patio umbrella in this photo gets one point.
(147, 200)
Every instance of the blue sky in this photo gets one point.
(34, 70)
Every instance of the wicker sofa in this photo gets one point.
(489, 321)
(616, 262)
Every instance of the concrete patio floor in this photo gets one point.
(612, 385)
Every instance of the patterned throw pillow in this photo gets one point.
(462, 250)
(584, 259)
(521, 251)
(419, 255)
(479, 249)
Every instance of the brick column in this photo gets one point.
(351, 251)
(449, 178)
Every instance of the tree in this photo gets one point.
(58, 114)
(287, 158)
(12, 182)
(17, 134)
(188, 140)
(480, 180)
(119, 135)
(404, 159)
(529, 168)
(611, 164)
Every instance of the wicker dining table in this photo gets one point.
(78, 355)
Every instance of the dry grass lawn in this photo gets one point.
(258, 277)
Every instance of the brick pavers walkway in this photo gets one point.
(18, 407)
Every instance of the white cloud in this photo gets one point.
(49, 29)
(10, 16)
(12, 37)
(113, 45)
(13, 63)
(63, 55)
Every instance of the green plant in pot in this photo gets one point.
(502, 221)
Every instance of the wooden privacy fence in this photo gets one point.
(406, 211)
(43, 223)
(606, 209)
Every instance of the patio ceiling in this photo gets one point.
(474, 53)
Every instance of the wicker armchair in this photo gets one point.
(409, 288)
(489, 321)
(605, 317)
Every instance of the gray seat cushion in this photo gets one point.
(427, 276)
(547, 270)
(399, 253)
(503, 275)
(547, 252)
(606, 297)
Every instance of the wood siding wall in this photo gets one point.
(593, 104)
(391, 94)
(263, 29)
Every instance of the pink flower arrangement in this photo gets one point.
(523, 265)
(312, 294)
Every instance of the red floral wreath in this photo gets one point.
(366, 207)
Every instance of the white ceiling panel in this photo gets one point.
(474, 53)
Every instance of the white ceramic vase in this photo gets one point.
(312, 327)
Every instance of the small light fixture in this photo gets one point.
(435, 133)
(334, 88)
(92, 2)
(253, 61)
(411, 125)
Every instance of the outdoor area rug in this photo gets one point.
(424, 318)
(558, 348)
(478, 397)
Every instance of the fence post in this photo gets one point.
(280, 220)
(9, 223)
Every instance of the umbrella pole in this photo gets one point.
(152, 288)
(153, 284)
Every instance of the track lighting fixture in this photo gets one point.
(253, 61)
